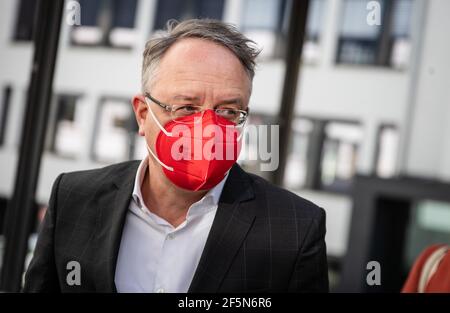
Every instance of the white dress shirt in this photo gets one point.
(154, 256)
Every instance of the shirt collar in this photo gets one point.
(210, 199)
(140, 174)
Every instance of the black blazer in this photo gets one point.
(263, 238)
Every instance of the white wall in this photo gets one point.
(339, 211)
(428, 149)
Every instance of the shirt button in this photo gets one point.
(160, 290)
(170, 236)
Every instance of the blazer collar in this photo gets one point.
(112, 216)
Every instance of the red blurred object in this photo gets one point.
(430, 272)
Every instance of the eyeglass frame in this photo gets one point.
(170, 108)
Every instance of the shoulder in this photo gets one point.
(74, 192)
(87, 179)
(281, 200)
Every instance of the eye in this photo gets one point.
(187, 109)
(227, 112)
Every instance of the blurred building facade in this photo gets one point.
(371, 100)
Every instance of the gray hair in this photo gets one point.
(224, 34)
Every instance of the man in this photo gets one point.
(173, 222)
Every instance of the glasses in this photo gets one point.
(233, 115)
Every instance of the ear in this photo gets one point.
(140, 112)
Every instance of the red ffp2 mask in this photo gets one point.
(198, 150)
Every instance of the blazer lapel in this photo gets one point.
(113, 210)
(230, 226)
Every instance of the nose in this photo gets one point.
(210, 114)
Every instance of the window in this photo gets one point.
(65, 135)
(339, 156)
(24, 20)
(266, 21)
(106, 23)
(322, 155)
(115, 131)
(387, 151)
(311, 47)
(4, 108)
(387, 44)
(187, 9)
(400, 42)
(297, 160)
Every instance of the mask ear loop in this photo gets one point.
(238, 140)
(156, 120)
(242, 130)
(169, 168)
(240, 136)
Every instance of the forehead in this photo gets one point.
(198, 63)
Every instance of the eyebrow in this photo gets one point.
(187, 98)
(237, 101)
